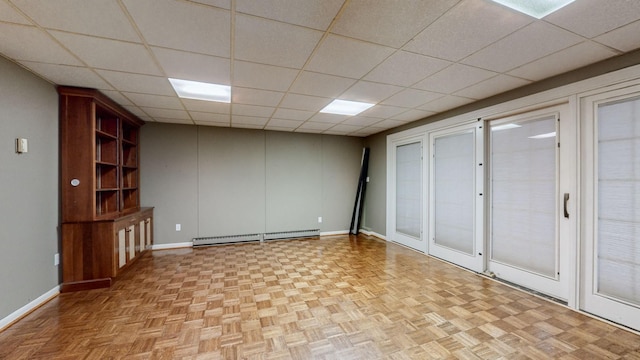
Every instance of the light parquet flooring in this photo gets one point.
(332, 298)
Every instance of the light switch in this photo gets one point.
(22, 145)
(178, 227)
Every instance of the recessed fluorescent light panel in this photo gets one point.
(536, 8)
(201, 91)
(344, 107)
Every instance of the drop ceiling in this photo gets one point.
(287, 59)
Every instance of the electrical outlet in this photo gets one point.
(56, 259)
(319, 219)
(178, 227)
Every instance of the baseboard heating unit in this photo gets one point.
(291, 234)
(228, 239)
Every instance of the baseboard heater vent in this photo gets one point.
(216, 240)
(291, 234)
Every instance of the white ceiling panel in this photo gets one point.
(342, 129)
(155, 101)
(388, 124)
(271, 42)
(190, 66)
(284, 123)
(252, 110)
(183, 25)
(207, 106)
(259, 76)
(249, 121)
(591, 18)
(492, 86)
(310, 13)
(370, 92)
(383, 111)
(405, 68)
(9, 14)
(328, 118)
(42, 47)
(467, 28)
(454, 78)
(310, 126)
(361, 121)
(409, 98)
(311, 83)
(342, 56)
(304, 102)
(68, 75)
(109, 54)
(525, 45)
(225, 4)
(367, 131)
(174, 121)
(240, 95)
(445, 103)
(146, 84)
(290, 114)
(624, 38)
(413, 115)
(583, 54)
(118, 97)
(166, 113)
(212, 123)
(390, 23)
(102, 18)
(210, 117)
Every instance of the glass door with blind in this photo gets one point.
(611, 216)
(456, 193)
(407, 220)
(531, 224)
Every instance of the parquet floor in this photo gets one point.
(331, 298)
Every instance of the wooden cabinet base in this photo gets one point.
(95, 252)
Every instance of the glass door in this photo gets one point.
(409, 182)
(611, 192)
(529, 204)
(456, 193)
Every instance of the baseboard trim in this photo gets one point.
(171, 246)
(332, 233)
(29, 308)
(374, 234)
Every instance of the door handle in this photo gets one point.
(566, 200)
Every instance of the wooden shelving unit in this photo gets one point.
(103, 226)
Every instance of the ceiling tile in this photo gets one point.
(283, 124)
(390, 23)
(445, 103)
(260, 76)
(212, 123)
(361, 121)
(490, 87)
(239, 121)
(388, 124)
(484, 22)
(342, 56)
(383, 111)
(9, 14)
(405, 68)
(240, 95)
(42, 47)
(174, 121)
(117, 97)
(145, 84)
(290, 114)
(453, 78)
(411, 97)
(166, 113)
(319, 126)
(251, 110)
(328, 118)
(183, 25)
(109, 54)
(591, 18)
(207, 106)
(311, 83)
(210, 117)
(101, 18)
(413, 115)
(625, 38)
(135, 110)
(225, 4)
(310, 13)
(370, 92)
(189, 66)
(367, 131)
(68, 75)
(572, 58)
(304, 102)
(342, 129)
(274, 43)
(525, 45)
(155, 101)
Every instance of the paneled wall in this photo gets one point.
(219, 181)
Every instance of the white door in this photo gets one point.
(611, 208)
(408, 218)
(456, 193)
(531, 224)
